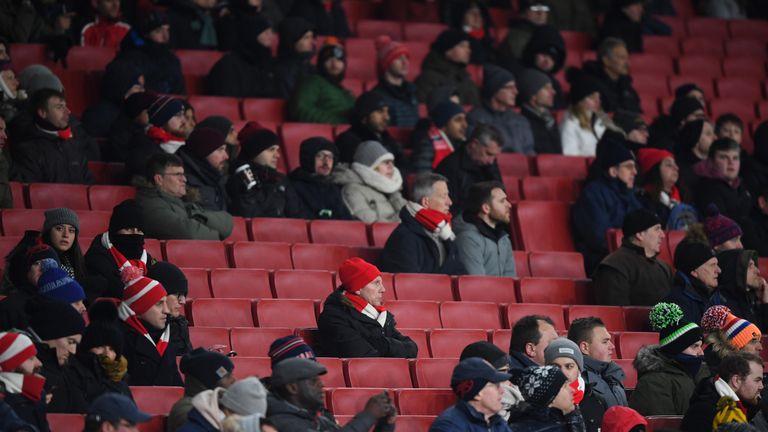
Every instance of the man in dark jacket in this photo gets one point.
(632, 275)
(297, 400)
(537, 97)
(128, 127)
(164, 134)
(327, 17)
(741, 287)
(424, 240)
(177, 287)
(393, 61)
(546, 53)
(121, 79)
(612, 70)
(695, 284)
(355, 322)
(52, 152)
(550, 401)
(249, 70)
(531, 336)
(294, 54)
(371, 119)
(21, 384)
(444, 131)
(193, 23)
(445, 64)
(532, 15)
(473, 163)
(205, 162)
(319, 197)
(624, 21)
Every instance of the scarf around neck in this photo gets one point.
(120, 259)
(377, 181)
(440, 144)
(29, 386)
(128, 316)
(167, 141)
(376, 313)
(725, 391)
(435, 222)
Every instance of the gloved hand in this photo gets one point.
(115, 369)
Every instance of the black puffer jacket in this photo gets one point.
(119, 77)
(159, 65)
(209, 183)
(291, 66)
(272, 196)
(618, 25)
(46, 158)
(615, 95)
(62, 383)
(288, 417)
(89, 368)
(320, 197)
(330, 23)
(29, 411)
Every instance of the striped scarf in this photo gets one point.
(29, 386)
(120, 259)
(376, 313)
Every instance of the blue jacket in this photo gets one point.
(518, 360)
(545, 419)
(196, 423)
(692, 297)
(462, 417)
(9, 421)
(402, 101)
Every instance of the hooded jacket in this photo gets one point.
(607, 379)
(462, 172)
(734, 292)
(179, 413)
(627, 277)
(692, 296)
(365, 198)
(119, 76)
(546, 134)
(618, 25)
(481, 43)
(463, 417)
(159, 65)
(45, 158)
(331, 22)
(615, 95)
(663, 385)
(437, 71)
(10, 421)
(320, 197)
(546, 39)
(288, 417)
(209, 182)
(402, 101)
(206, 414)
(66, 390)
(291, 66)
(484, 251)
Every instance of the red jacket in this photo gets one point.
(103, 33)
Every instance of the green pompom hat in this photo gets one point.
(675, 333)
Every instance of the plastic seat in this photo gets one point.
(753, 29)
(294, 133)
(552, 290)
(50, 195)
(762, 112)
(738, 88)
(6, 245)
(198, 62)
(521, 263)
(557, 264)
(107, 173)
(285, 313)
(631, 342)
(380, 232)
(25, 54)
(576, 40)
(206, 106)
(221, 313)
(279, 230)
(744, 67)
(156, 400)
(348, 233)
(434, 372)
(272, 110)
(257, 255)
(513, 164)
(207, 253)
(703, 46)
(612, 316)
(413, 286)
(357, 9)
(251, 366)
(752, 48)
(303, 284)
(673, 239)
(636, 318)
(484, 315)
(88, 58)
(255, 342)
(359, 74)
(614, 237)
(65, 422)
(419, 336)
(19, 199)
(210, 337)
(550, 189)
(240, 283)
(677, 24)
(424, 401)
(707, 27)
(197, 282)
(318, 256)
(545, 226)
(414, 423)
(487, 288)
(16, 221)
(501, 338)
(701, 65)
(350, 401)
(450, 342)
(664, 422)
(360, 48)
(335, 375)
(239, 229)
(92, 223)
(371, 29)
(418, 51)
(630, 381)
(705, 81)
(422, 32)
(416, 314)
(553, 311)
(154, 248)
(661, 45)
(651, 63)
(107, 197)
(648, 85)
(736, 105)
(379, 372)
(512, 188)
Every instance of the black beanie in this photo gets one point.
(127, 214)
(689, 136)
(637, 221)
(448, 39)
(104, 328)
(675, 333)
(138, 102)
(310, 147)
(682, 90)
(290, 31)
(682, 108)
(690, 255)
(204, 141)
(486, 351)
(256, 142)
(220, 123)
(170, 277)
(613, 151)
(51, 319)
(367, 103)
(208, 367)
(248, 29)
(582, 85)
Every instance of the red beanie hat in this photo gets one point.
(621, 419)
(141, 293)
(15, 349)
(650, 157)
(388, 51)
(355, 273)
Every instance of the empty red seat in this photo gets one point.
(65, 422)
(735, 105)
(484, 315)
(17, 190)
(422, 31)
(108, 173)
(552, 290)
(239, 229)
(579, 41)
(154, 248)
(197, 282)
(423, 287)
(335, 375)
(612, 316)
(294, 133)
(415, 313)
(107, 197)
(361, 48)
(703, 46)
(701, 65)
(450, 342)
(380, 232)
(636, 318)
(487, 288)
(747, 67)
(652, 63)
(16, 221)
(318, 256)
(371, 29)
(664, 422)
(631, 342)
(221, 312)
(660, 45)
(762, 112)
(434, 372)
(751, 48)
(501, 338)
(649, 86)
(738, 88)
(207, 253)
(50, 195)
(357, 9)
(553, 311)
(350, 401)
(307, 284)
(255, 342)
(707, 27)
(419, 336)
(512, 188)
(271, 110)
(25, 54)
(210, 338)
(279, 230)
(418, 51)
(348, 233)
(557, 264)
(521, 263)
(630, 381)
(673, 239)
(206, 106)
(513, 164)
(257, 255)
(414, 423)
(285, 313)
(545, 225)
(251, 366)
(753, 29)
(88, 58)
(240, 283)
(198, 62)
(379, 372)
(677, 24)
(93, 223)
(424, 401)
(550, 189)
(156, 400)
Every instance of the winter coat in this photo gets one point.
(179, 333)
(348, 141)
(289, 71)
(703, 408)
(119, 76)
(188, 21)
(197, 423)
(288, 417)
(547, 419)
(168, 217)
(121, 139)
(244, 73)
(159, 65)
(603, 204)
(327, 23)
(423, 141)
(516, 134)
(761, 231)
(546, 135)
(364, 197)
(179, 413)
(29, 411)
(734, 293)
(317, 100)
(46, 158)
(145, 365)
(462, 172)
(345, 332)
(627, 277)
(209, 182)
(692, 296)
(437, 71)
(66, 390)
(592, 408)
(518, 360)
(518, 36)
(463, 417)
(272, 196)
(402, 102)
(95, 382)
(615, 95)
(100, 262)
(22, 23)
(618, 25)
(9, 421)
(663, 386)
(6, 196)
(320, 198)
(142, 147)
(607, 379)
(545, 39)
(411, 249)
(484, 251)
(206, 415)
(577, 141)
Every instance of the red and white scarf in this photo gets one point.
(578, 387)
(29, 386)
(167, 141)
(376, 313)
(437, 223)
(139, 295)
(129, 316)
(441, 145)
(120, 259)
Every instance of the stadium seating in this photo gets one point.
(350, 401)
(335, 376)
(255, 342)
(220, 312)
(380, 232)
(486, 288)
(66, 422)
(551, 290)
(379, 372)
(419, 337)
(251, 366)
(208, 253)
(423, 287)
(631, 342)
(48, 195)
(544, 226)
(434, 372)
(279, 230)
(285, 313)
(348, 233)
(424, 401)
(156, 400)
(554, 311)
(612, 316)
(294, 133)
(557, 264)
(240, 283)
(303, 284)
(416, 314)
(197, 283)
(210, 337)
(259, 255)
(449, 342)
(550, 189)
(318, 257)
(483, 315)
(107, 197)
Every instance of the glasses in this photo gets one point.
(321, 156)
(179, 174)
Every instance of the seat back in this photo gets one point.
(208, 253)
(240, 283)
(379, 372)
(255, 342)
(221, 312)
(545, 226)
(279, 230)
(285, 313)
(262, 255)
(417, 286)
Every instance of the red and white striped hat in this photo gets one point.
(15, 349)
(140, 293)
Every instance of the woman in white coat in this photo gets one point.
(585, 121)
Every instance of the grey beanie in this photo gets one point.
(36, 77)
(58, 216)
(245, 397)
(371, 154)
(494, 78)
(529, 82)
(564, 347)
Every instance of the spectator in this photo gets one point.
(423, 242)
(474, 162)
(113, 411)
(729, 125)
(499, 93)
(472, 17)
(319, 197)
(585, 122)
(128, 128)
(193, 23)
(666, 372)
(372, 186)
(327, 18)
(23, 386)
(23, 267)
(177, 289)
(190, 121)
(725, 334)
(61, 231)
(531, 336)
(605, 201)
(633, 275)
(596, 344)
(691, 90)
(611, 69)
(205, 163)
(151, 359)
(755, 168)
(537, 95)
(249, 69)
(720, 231)
(692, 146)
(482, 239)
(741, 286)
(550, 400)
(203, 370)
(446, 64)
(478, 389)
(231, 14)
(121, 79)
(294, 54)
(165, 134)
(392, 63)
(623, 419)
(737, 389)
(55, 284)
(447, 130)
(254, 186)
(634, 128)
(545, 52)
(227, 128)
(370, 122)
(665, 131)
(354, 321)
(52, 151)
(289, 347)
(662, 193)
(298, 401)
(533, 14)
(695, 284)
(6, 195)
(321, 97)
(210, 407)
(11, 95)
(624, 21)
(166, 216)
(106, 30)
(10, 421)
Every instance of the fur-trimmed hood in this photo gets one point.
(650, 359)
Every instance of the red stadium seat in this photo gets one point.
(239, 229)
(552, 290)
(484, 315)
(673, 239)
(335, 375)
(422, 32)
(6, 245)
(294, 133)
(751, 48)
(738, 88)
(107, 197)
(255, 342)
(221, 312)
(631, 374)
(357, 9)
(636, 318)
(514, 164)
(450, 342)
(361, 48)
(380, 232)
(272, 110)
(348, 233)
(50, 195)
(418, 51)
(486, 288)
(579, 41)
(703, 46)
(664, 422)
(93, 223)
(25, 54)
(748, 29)
(762, 112)
(649, 86)
(661, 45)
(413, 286)
(521, 263)
(279, 230)
(257, 255)
(614, 237)
(371, 29)
(156, 400)
(550, 189)
(303, 284)
(415, 313)
(206, 106)
(197, 282)
(557, 264)
(88, 58)
(545, 226)
(419, 336)
(631, 342)
(108, 173)
(379, 372)
(612, 316)
(240, 283)
(154, 248)
(736, 105)
(434, 372)
(208, 253)
(65, 422)
(651, 63)
(16, 221)
(677, 25)
(424, 401)
(501, 338)
(285, 313)
(17, 190)
(350, 401)
(554, 311)
(747, 67)
(210, 337)
(318, 256)
(512, 188)
(198, 62)
(414, 423)
(707, 27)
(701, 65)
(251, 366)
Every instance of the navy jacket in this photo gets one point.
(692, 297)
(518, 360)
(462, 417)
(545, 419)
(197, 423)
